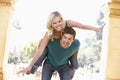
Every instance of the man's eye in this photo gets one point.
(54, 23)
(59, 21)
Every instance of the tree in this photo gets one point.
(28, 52)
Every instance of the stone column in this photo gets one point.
(113, 58)
(5, 9)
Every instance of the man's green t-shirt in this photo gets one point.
(58, 57)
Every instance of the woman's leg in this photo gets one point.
(72, 72)
(74, 61)
(73, 65)
(39, 61)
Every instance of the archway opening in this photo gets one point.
(28, 24)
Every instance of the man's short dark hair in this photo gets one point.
(69, 30)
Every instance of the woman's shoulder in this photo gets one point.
(69, 23)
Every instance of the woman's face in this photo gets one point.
(57, 24)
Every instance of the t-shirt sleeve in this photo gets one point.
(77, 44)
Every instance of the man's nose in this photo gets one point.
(66, 40)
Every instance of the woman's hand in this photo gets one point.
(100, 29)
(25, 70)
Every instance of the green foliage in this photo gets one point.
(90, 53)
(25, 54)
(10, 57)
(28, 52)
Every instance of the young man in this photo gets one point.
(59, 54)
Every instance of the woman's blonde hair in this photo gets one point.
(50, 20)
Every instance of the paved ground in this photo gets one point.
(81, 74)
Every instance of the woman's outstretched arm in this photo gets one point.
(41, 48)
(83, 26)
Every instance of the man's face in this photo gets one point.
(66, 40)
